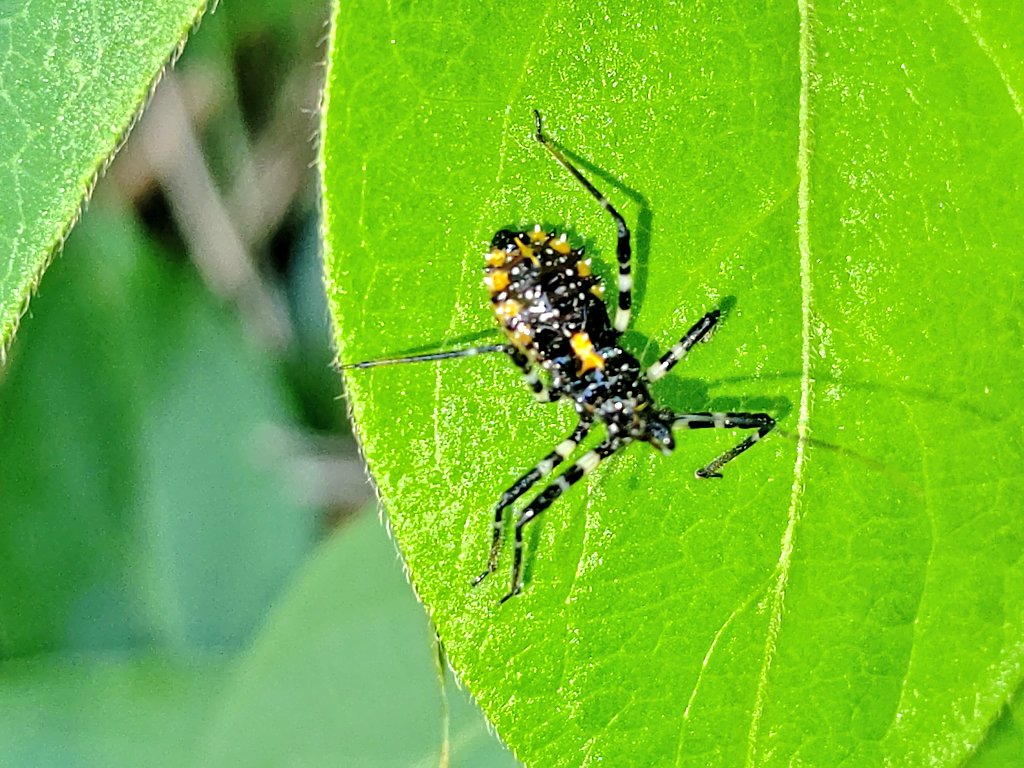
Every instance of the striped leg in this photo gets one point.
(468, 352)
(698, 333)
(583, 466)
(762, 422)
(622, 249)
(525, 483)
(540, 392)
(623, 252)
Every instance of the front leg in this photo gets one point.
(762, 422)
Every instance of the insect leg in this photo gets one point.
(468, 352)
(623, 250)
(762, 422)
(543, 468)
(580, 469)
(540, 392)
(696, 334)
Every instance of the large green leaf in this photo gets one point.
(106, 711)
(853, 590)
(129, 428)
(343, 673)
(73, 75)
(1004, 745)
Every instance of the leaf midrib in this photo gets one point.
(787, 543)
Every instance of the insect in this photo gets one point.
(552, 310)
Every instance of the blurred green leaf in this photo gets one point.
(343, 674)
(142, 498)
(73, 75)
(857, 601)
(84, 711)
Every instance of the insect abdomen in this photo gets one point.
(545, 297)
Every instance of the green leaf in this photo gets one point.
(104, 711)
(852, 592)
(343, 675)
(73, 75)
(128, 428)
(1004, 744)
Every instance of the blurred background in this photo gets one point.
(192, 569)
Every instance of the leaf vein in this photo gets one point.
(786, 547)
(990, 55)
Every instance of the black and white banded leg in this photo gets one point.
(762, 422)
(543, 468)
(430, 356)
(542, 393)
(699, 332)
(623, 250)
(532, 379)
(583, 466)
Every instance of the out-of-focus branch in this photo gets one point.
(165, 140)
(280, 163)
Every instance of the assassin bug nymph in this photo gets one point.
(552, 310)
